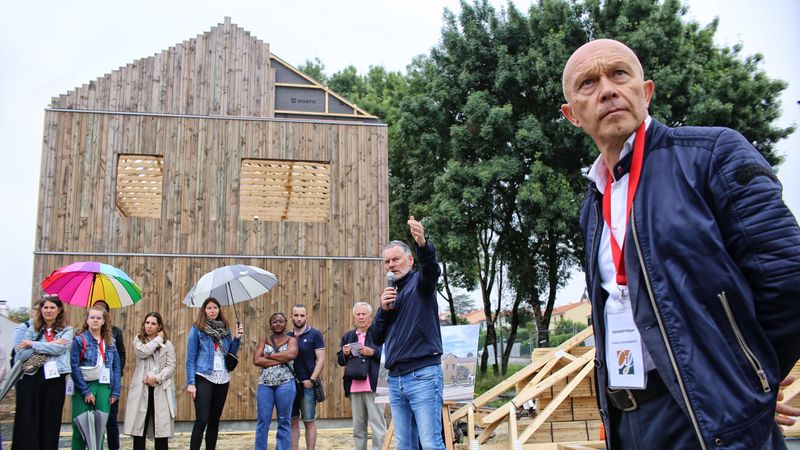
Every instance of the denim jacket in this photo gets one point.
(200, 353)
(40, 345)
(90, 354)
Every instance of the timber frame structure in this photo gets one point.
(215, 152)
(561, 380)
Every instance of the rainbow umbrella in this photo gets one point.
(83, 283)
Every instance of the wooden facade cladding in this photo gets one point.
(187, 106)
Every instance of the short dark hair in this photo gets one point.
(104, 304)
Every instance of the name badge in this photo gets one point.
(105, 376)
(51, 370)
(69, 389)
(219, 363)
(624, 355)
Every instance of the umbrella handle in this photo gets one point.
(233, 303)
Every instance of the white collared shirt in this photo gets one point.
(619, 201)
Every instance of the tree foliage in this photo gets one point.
(19, 314)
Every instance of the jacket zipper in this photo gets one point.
(656, 311)
(593, 249)
(749, 355)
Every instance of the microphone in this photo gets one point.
(391, 284)
(390, 280)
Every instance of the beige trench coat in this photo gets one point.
(157, 357)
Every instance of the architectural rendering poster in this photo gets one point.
(459, 364)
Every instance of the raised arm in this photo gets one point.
(144, 351)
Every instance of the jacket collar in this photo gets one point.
(598, 173)
(403, 281)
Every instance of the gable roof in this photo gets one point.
(222, 72)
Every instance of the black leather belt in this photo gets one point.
(630, 399)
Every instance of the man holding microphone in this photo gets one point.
(407, 323)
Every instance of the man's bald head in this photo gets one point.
(589, 51)
(607, 96)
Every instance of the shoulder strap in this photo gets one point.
(288, 366)
(83, 350)
(272, 341)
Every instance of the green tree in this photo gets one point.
(315, 69)
(19, 314)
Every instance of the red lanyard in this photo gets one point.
(633, 182)
(102, 352)
(49, 335)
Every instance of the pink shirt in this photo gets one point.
(361, 385)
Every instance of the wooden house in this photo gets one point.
(214, 152)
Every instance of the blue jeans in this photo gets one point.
(281, 398)
(305, 406)
(416, 402)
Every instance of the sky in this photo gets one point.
(49, 47)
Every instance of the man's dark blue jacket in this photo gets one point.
(373, 362)
(411, 331)
(713, 262)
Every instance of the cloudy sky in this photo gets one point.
(49, 47)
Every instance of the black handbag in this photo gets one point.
(231, 361)
(356, 368)
(319, 391)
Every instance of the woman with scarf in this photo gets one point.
(207, 378)
(44, 353)
(151, 406)
(276, 387)
(95, 369)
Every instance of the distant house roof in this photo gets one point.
(564, 308)
(476, 316)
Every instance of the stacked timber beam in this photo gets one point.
(560, 380)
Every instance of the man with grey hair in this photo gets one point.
(408, 322)
(358, 347)
(692, 266)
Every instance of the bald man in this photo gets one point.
(692, 265)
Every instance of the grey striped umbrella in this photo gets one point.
(231, 285)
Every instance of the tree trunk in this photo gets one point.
(512, 335)
(449, 296)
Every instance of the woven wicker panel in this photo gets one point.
(139, 182)
(291, 191)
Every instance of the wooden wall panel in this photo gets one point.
(202, 158)
(328, 288)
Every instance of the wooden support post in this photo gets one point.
(389, 435)
(513, 441)
(447, 426)
(473, 443)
